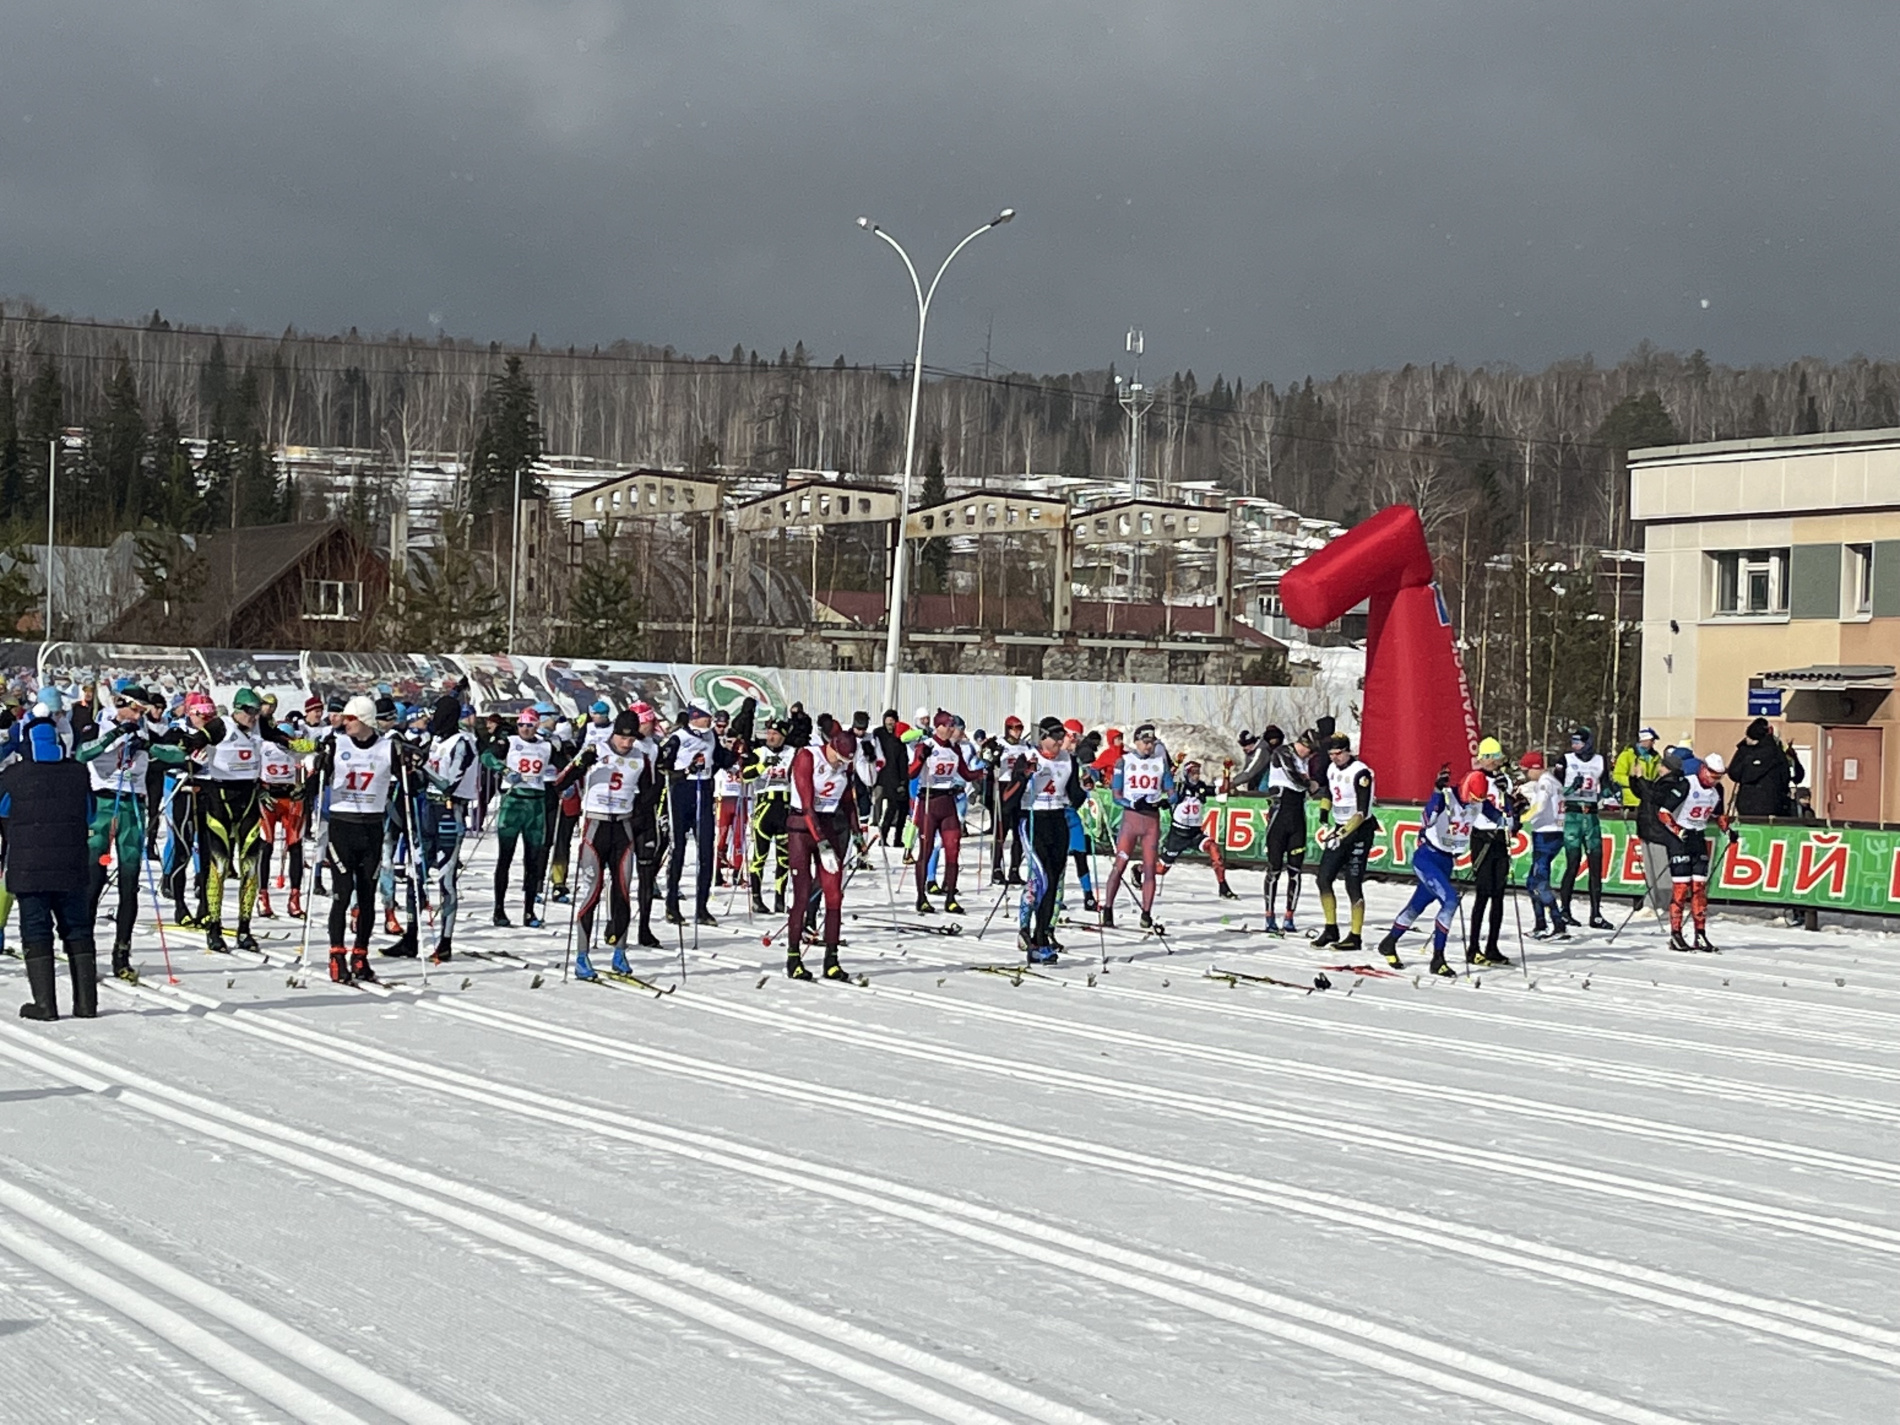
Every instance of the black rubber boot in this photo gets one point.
(84, 966)
(39, 983)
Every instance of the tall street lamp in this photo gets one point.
(899, 557)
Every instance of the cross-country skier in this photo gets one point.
(1489, 801)
(1345, 840)
(1011, 749)
(1544, 818)
(688, 760)
(1583, 830)
(612, 775)
(768, 773)
(360, 766)
(1188, 828)
(281, 807)
(523, 764)
(1082, 749)
(821, 819)
(944, 768)
(1442, 840)
(1686, 816)
(1289, 780)
(447, 782)
(117, 757)
(1141, 779)
(1052, 792)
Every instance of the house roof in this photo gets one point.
(240, 565)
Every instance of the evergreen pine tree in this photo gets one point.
(933, 555)
(12, 452)
(507, 441)
(603, 607)
(115, 443)
(45, 422)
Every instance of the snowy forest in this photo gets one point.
(1514, 471)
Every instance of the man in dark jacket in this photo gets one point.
(1764, 771)
(48, 802)
(893, 781)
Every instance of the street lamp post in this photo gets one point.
(52, 482)
(894, 637)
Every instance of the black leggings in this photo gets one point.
(356, 846)
(1348, 859)
(1049, 843)
(1490, 872)
(1286, 851)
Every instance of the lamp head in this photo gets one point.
(1003, 217)
(867, 225)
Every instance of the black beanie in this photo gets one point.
(1759, 729)
(446, 717)
(627, 723)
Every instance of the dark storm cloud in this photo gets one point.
(1266, 188)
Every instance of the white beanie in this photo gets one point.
(362, 708)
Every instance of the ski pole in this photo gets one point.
(158, 919)
(1649, 889)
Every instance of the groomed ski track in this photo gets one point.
(1103, 1193)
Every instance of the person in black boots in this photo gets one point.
(893, 781)
(49, 801)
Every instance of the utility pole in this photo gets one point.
(1136, 399)
(52, 482)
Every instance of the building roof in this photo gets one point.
(1770, 445)
(240, 565)
(1023, 613)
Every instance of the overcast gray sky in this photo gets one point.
(1267, 188)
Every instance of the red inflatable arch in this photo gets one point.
(1417, 713)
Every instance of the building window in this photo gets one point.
(336, 599)
(1860, 581)
(1751, 582)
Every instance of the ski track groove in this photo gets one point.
(802, 1335)
(1414, 1359)
(1735, 1090)
(1773, 1316)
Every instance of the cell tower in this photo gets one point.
(1136, 399)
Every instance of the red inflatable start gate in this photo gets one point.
(1417, 714)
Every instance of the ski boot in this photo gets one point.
(404, 948)
(361, 971)
(1351, 942)
(214, 939)
(1440, 968)
(648, 940)
(833, 970)
(620, 963)
(340, 966)
(1042, 954)
(1108, 918)
(1287, 927)
(953, 906)
(247, 941)
(560, 895)
(122, 963)
(673, 916)
(704, 917)
(1704, 944)
(1147, 921)
(924, 907)
(501, 921)
(1089, 902)
(997, 878)
(1328, 936)
(757, 902)
(264, 912)
(295, 908)
(1015, 878)
(531, 921)
(583, 967)
(187, 920)
(1389, 949)
(444, 952)
(1227, 892)
(39, 981)
(391, 925)
(1597, 922)
(1676, 942)
(1489, 960)
(931, 888)
(795, 967)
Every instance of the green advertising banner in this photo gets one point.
(1787, 864)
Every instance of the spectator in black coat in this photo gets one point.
(893, 780)
(1764, 772)
(47, 798)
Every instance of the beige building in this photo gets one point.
(1771, 581)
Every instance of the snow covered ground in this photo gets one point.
(1626, 1186)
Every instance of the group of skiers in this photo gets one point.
(388, 796)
